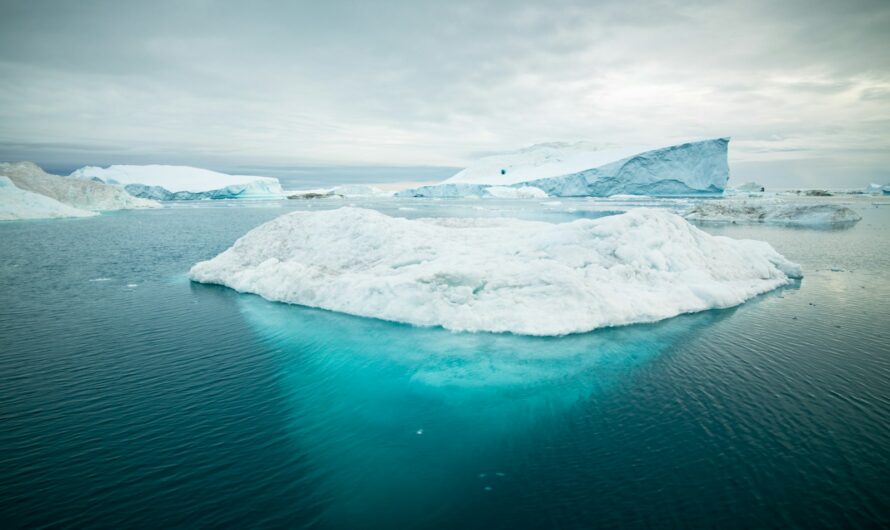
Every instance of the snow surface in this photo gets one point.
(183, 182)
(566, 170)
(83, 194)
(16, 204)
(497, 274)
(772, 212)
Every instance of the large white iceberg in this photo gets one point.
(16, 204)
(497, 275)
(168, 183)
(83, 194)
(773, 212)
(577, 170)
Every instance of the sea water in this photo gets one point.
(131, 397)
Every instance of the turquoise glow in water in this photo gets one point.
(131, 397)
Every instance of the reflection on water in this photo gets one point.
(431, 417)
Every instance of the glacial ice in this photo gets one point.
(16, 204)
(83, 194)
(165, 183)
(497, 274)
(773, 212)
(575, 170)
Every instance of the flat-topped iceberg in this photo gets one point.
(83, 194)
(167, 183)
(773, 212)
(577, 170)
(17, 204)
(497, 275)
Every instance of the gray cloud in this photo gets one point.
(345, 84)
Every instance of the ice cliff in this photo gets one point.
(166, 183)
(497, 275)
(577, 170)
(16, 204)
(83, 194)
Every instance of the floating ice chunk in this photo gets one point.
(522, 192)
(773, 212)
(498, 275)
(16, 204)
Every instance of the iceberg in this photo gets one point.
(343, 191)
(16, 204)
(83, 194)
(168, 183)
(750, 187)
(497, 274)
(803, 215)
(577, 170)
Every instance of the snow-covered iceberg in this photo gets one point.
(578, 170)
(497, 275)
(168, 183)
(773, 212)
(83, 194)
(16, 204)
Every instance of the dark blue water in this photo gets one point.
(130, 397)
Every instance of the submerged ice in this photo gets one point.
(497, 275)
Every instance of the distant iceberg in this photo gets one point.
(750, 187)
(580, 170)
(83, 194)
(497, 275)
(167, 183)
(773, 212)
(17, 204)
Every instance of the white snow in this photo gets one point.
(184, 179)
(83, 194)
(16, 204)
(772, 212)
(497, 274)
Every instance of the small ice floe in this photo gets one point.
(419, 432)
(773, 212)
(488, 488)
(100, 280)
(132, 285)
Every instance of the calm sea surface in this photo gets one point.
(130, 397)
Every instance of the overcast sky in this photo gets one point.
(397, 90)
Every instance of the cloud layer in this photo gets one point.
(802, 87)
